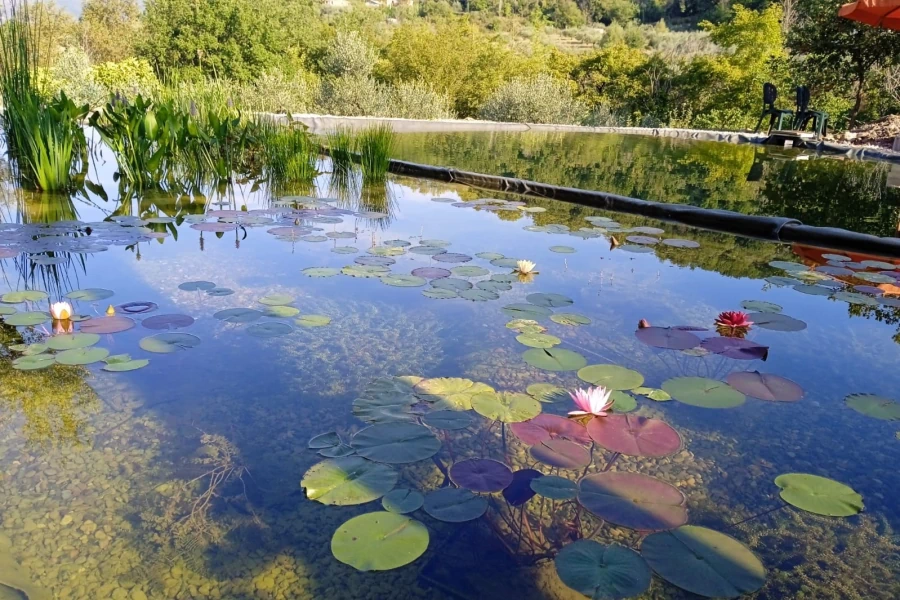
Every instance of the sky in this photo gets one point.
(73, 6)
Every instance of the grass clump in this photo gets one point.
(290, 154)
(375, 146)
(341, 147)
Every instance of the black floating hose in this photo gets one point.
(777, 229)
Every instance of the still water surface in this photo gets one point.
(182, 479)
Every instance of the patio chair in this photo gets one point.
(770, 95)
(804, 114)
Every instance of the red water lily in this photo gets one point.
(734, 319)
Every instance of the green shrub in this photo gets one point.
(72, 73)
(348, 56)
(129, 78)
(416, 100)
(354, 96)
(540, 99)
(274, 92)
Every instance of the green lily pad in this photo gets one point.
(314, 238)
(238, 315)
(387, 399)
(623, 402)
(875, 277)
(571, 319)
(548, 300)
(365, 271)
(776, 322)
(312, 320)
(404, 280)
(493, 286)
(29, 349)
(450, 393)
(396, 443)
(281, 312)
(90, 294)
(526, 326)
(276, 299)
(24, 296)
(72, 341)
(347, 481)
(427, 250)
(791, 267)
(554, 359)
(448, 419)
(339, 451)
(386, 251)
(81, 356)
(782, 281)
(652, 393)
(612, 377)
(601, 572)
(760, 306)
(169, 342)
(440, 294)
(877, 407)
(478, 295)
(402, 501)
(538, 340)
(562, 249)
(26, 319)
(506, 407)
(703, 392)
(547, 393)
(505, 277)
(489, 255)
(855, 298)
(269, 330)
(527, 311)
(345, 250)
(397, 243)
(320, 272)
(704, 562)
(219, 292)
(469, 271)
(819, 495)
(33, 362)
(454, 505)
(193, 286)
(7, 310)
(505, 263)
(127, 365)
(324, 440)
(451, 283)
(554, 487)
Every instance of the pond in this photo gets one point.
(826, 191)
(338, 393)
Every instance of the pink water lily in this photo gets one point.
(592, 401)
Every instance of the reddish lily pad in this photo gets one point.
(102, 325)
(634, 435)
(481, 475)
(667, 337)
(519, 491)
(633, 500)
(545, 427)
(736, 348)
(561, 453)
(168, 321)
(765, 386)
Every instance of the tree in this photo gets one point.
(833, 52)
(109, 28)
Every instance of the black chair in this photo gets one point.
(770, 95)
(805, 114)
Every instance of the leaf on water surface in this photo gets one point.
(125, 365)
(72, 341)
(704, 562)
(396, 443)
(493, 286)
(345, 250)
(402, 501)
(320, 272)
(25, 296)
(519, 491)
(427, 250)
(813, 290)
(469, 271)
(782, 281)
(562, 249)
(506, 263)
(33, 362)
(219, 292)
(545, 427)
(623, 402)
(137, 308)
(677, 243)
(403, 280)
(506, 407)
(193, 286)
(764, 386)
(736, 348)
(450, 393)
(570, 319)
(599, 571)
(538, 340)
(877, 407)
(547, 392)
(454, 505)
(489, 255)
(855, 298)
(238, 315)
(448, 419)
(7, 310)
(776, 322)
(168, 322)
(760, 306)
(548, 300)
(90, 294)
(819, 495)
(554, 487)
(81, 356)
(612, 377)
(554, 359)
(525, 326)
(633, 500)
(481, 475)
(875, 277)
(431, 272)
(703, 392)
(635, 436)
(281, 312)
(365, 271)
(452, 257)
(440, 294)
(106, 325)
(324, 440)
(167, 343)
(276, 299)
(634, 248)
(269, 330)
(561, 453)
(347, 481)
(654, 394)
(667, 337)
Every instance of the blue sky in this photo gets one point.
(73, 6)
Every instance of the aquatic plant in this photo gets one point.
(592, 401)
(61, 311)
(733, 323)
(290, 155)
(526, 267)
(342, 145)
(375, 146)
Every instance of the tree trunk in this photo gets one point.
(860, 85)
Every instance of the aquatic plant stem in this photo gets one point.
(612, 459)
(756, 516)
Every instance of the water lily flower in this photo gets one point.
(63, 326)
(110, 311)
(734, 319)
(592, 401)
(643, 324)
(61, 311)
(525, 267)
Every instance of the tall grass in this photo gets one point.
(290, 154)
(375, 146)
(341, 147)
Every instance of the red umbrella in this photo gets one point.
(878, 13)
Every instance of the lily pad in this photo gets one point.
(347, 481)
(776, 322)
(72, 341)
(345, 250)
(106, 325)
(538, 340)
(324, 440)
(780, 280)
(427, 250)
(469, 271)
(760, 306)
(387, 399)
(402, 501)
(448, 419)
(396, 443)
(519, 491)
(653, 394)
(855, 298)
(548, 300)
(644, 240)
(813, 290)
(193, 286)
(819, 495)
(219, 292)
(30, 349)
(547, 392)
(137, 308)
(168, 322)
(481, 475)
(404, 280)
(314, 238)
(24, 296)
(431, 272)
(90, 294)
(506, 407)
(704, 562)
(281, 312)
(667, 337)
(276, 299)
(489, 255)
(451, 257)
(7, 310)
(875, 277)
(454, 505)
(562, 249)
(703, 392)
(765, 386)
(623, 402)
(635, 436)
(555, 487)
(238, 315)
(874, 406)
(451, 283)
(26, 319)
(478, 295)
(562, 454)
(633, 500)
(312, 320)
(33, 362)
(440, 294)
(320, 272)
(269, 330)
(545, 427)
(450, 393)
(554, 359)
(125, 365)
(81, 356)
(571, 319)
(526, 326)
(365, 271)
(790, 267)
(600, 572)
(612, 377)
(167, 343)
(736, 348)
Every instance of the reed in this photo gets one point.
(290, 155)
(341, 147)
(375, 146)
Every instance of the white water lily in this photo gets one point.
(61, 311)
(525, 266)
(592, 401)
